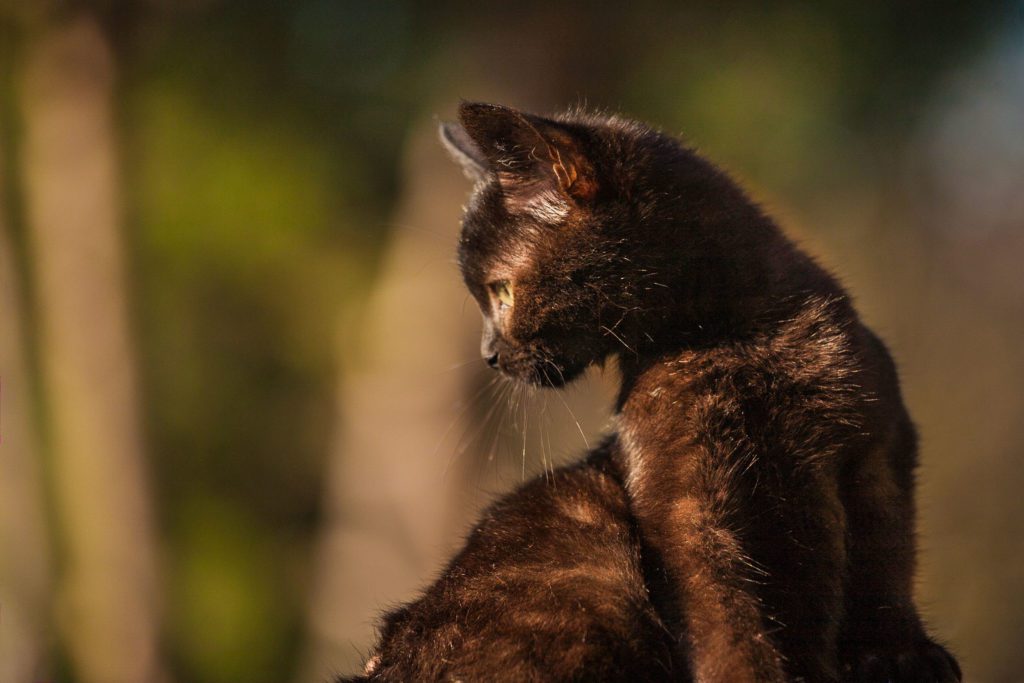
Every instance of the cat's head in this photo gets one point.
(558, 243)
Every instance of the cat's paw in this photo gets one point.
(921, 662)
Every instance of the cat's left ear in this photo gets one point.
(531, 155)
(463, 150)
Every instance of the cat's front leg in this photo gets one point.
(754, 549)
(726, 632)
(723, 631)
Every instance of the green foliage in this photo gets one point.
(762, 93)
(227, 598)
(243, 194)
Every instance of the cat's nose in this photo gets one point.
(489, 343)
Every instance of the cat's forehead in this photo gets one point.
(494, 243)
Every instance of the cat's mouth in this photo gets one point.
(542, 372)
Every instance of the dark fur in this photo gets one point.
(766, 454)
(548, 587)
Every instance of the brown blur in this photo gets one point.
(241, 404)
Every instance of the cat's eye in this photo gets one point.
(502, 290)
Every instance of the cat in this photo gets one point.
(751, 517)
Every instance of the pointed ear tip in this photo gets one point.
(474, 105)
(469, 110)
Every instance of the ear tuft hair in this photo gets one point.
(463, 150)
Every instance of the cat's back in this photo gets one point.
(549, 587)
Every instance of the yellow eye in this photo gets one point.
(503, 293)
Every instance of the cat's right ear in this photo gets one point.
(538, 162)
(463, 150)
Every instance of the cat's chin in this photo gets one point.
(554, 377)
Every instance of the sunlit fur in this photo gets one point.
(751, 520)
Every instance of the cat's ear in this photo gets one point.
(532, 156)
(463, 150)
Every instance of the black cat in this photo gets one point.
(751, 519)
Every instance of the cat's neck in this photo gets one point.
(722, 270)
(755, 282)
(746, 278)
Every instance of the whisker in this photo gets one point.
(620, 340)
(541, 429)
(469, 436)
(546, 434)
(462, 411)
(459, 365)
(526, 418)
(493, 419)
(579, 427)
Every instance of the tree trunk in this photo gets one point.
(24, 543)
(386, 496)
(108, 593)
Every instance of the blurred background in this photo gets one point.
(241, 407)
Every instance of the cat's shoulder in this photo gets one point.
(819, 345)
